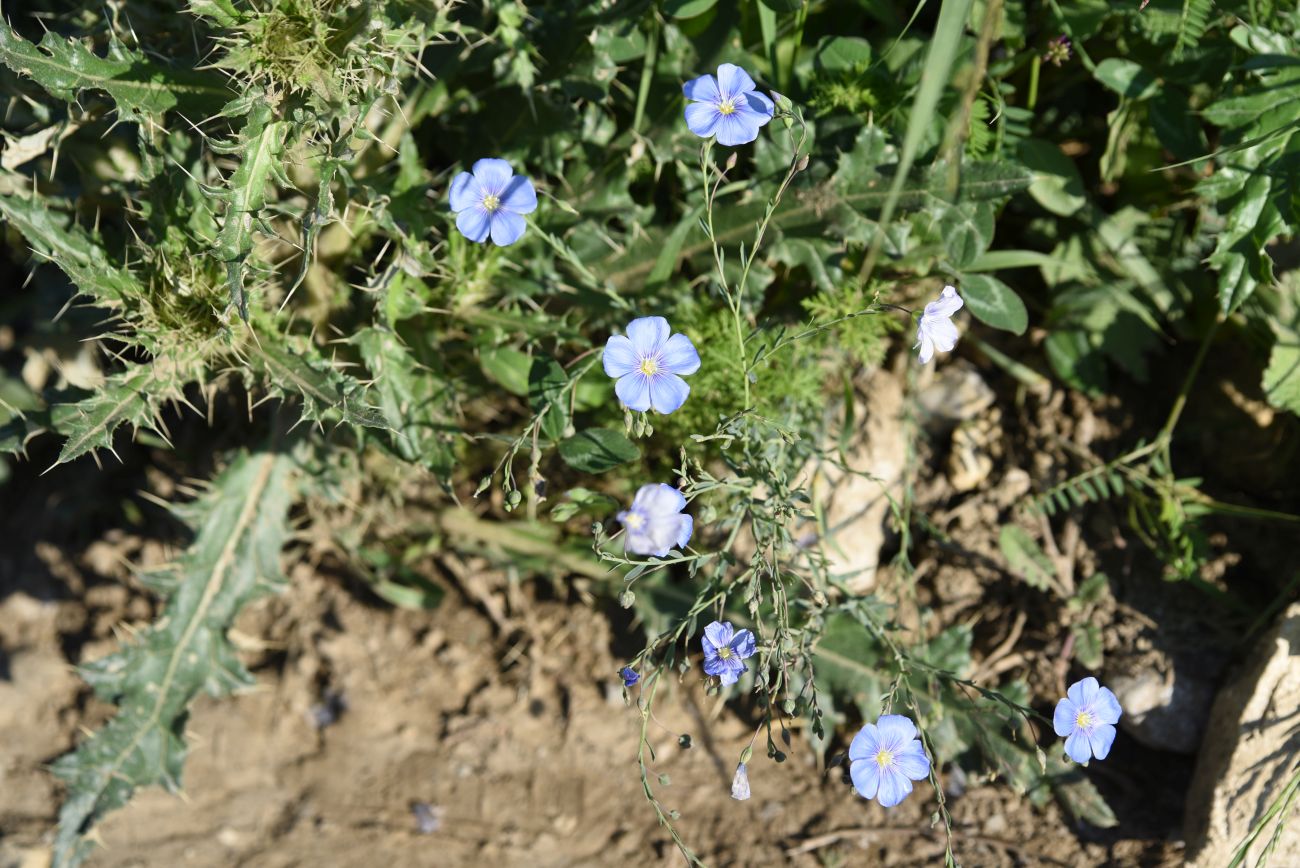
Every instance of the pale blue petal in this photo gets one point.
(519, 196)
(743, 644)
(947, 304)
(634, 391)
(684, 530)
(718, 634)
(734, 669)
(465, 192)
(1077, 747)
(659, 500)
(640, 542)
(702, 118)
(925, 343)
(865, 744)
(668, 392)
(1106, 707)
(912, 761)
(895, 731)
(893, 787)
(493, 175)
(474, 223)
(619, 358)
(1083, 691)
(942, 333)
(507, 227)
(680, 356)
(1063, 719)
(713, 664)
(866, 777)
(1100, 740)
(648, 334)
(704, 88)
(761, 103)
(740, 128)
(733, 81)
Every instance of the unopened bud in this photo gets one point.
(731, 161)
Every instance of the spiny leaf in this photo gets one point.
(322, 387)
(129, 397)
(412, 399)
(50, 233)
(240, 528)
(261, 145)
(140, 88)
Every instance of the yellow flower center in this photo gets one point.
(1083, 720)
(884, 758)
(727, 107)
(724, 652)
(634, 521)
(649, 366)
(491, 202)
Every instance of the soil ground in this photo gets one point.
(383, 736)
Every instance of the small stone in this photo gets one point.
(1165, 706)
(957, 394)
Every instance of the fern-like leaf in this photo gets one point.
(1192, 24)
(241, 525)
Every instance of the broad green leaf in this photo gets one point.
(1282, 376)
(1126, 77)
(597, 450)
(508, 367)
(546, 382)
(140, 87)
(240, 526)
(967, 231)
(994, 303)
(1078, 795)
(688, 8)
(847, 658)
(840, 53)
(1026, 558)
(1057, 184)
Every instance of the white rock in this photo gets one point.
(1248, 756)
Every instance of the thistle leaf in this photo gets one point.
(321, 386)
(241, 525)
(261, 144)
(139, 87)
(52, 237)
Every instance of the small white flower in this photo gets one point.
(740, 784)
(936, 331)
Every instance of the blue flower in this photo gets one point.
(655, 523)
(885, 757)
(1086, 719)
(646, 362)
(629, 676)
(724, 649)
(726, 106)
(490, 201)
(740, 783)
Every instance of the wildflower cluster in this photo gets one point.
(648, 363)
